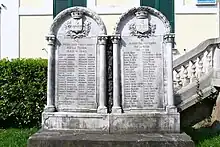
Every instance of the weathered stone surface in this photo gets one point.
(145, 64)
(69, 139)
(150, 22)
(144, 59)
(144, 122)
(77, 122)
(112, 123)
(74, 72)
(77, 63)
(76, 77)
(139, 68)
(142, 73)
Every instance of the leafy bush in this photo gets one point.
(23, 85)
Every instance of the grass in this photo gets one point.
(204, 137)
(212, 142)
(15, 137)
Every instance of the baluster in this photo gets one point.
(200, 67)
(205, 62)
(186, 79)
(193, 71)
(209, 61)
(178, 80)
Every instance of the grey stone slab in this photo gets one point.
(144, 122)
(68, 139)
(142, 64)
(140, 122)
(76, 74)
(76, 122)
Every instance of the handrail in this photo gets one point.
(196, 51)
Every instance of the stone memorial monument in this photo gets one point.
(76, 72)
(142, 54)
(143, 111)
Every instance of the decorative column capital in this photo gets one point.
(102, 39)
(169, 38)
(115, 39)
(51, 39)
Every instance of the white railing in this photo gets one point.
(195, 64)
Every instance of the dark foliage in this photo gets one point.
(23, 85)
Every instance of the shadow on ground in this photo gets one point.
(203, 133)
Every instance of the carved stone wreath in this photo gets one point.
(86, 27)
(152, 11)
(150, 32)
(59, 19)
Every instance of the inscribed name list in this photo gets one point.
(142, 72)
(76, 74)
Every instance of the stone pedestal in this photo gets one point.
(76, 122)
(69, 139)
(152, 122)
(145, 123)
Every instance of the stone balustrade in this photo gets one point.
(195, 64)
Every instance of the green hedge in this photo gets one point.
(23, 85)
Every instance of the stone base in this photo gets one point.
(70, 139)
(145, 122)
(102, 110)
(113, 123)
(49, 108)
(77, 122)
(116, 109)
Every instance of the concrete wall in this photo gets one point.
(194, 24)
(9, 19)
(191, 29)
(32, 18)
(109, 21)
(116, 2)
(110, 11)
(32, 3)
(35, 18)
(189, 2)
(33, 30)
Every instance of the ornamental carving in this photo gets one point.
(142, 28)
(64, 15)
(153, 12)
(77, 27)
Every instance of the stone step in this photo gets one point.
(70, 139)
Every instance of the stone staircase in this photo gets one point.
(196, 77)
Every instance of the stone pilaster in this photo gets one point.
(103, 81)
(116, 75)
(51, 74)
(169, 40)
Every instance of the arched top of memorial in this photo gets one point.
(75, 13)
(142, 19)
